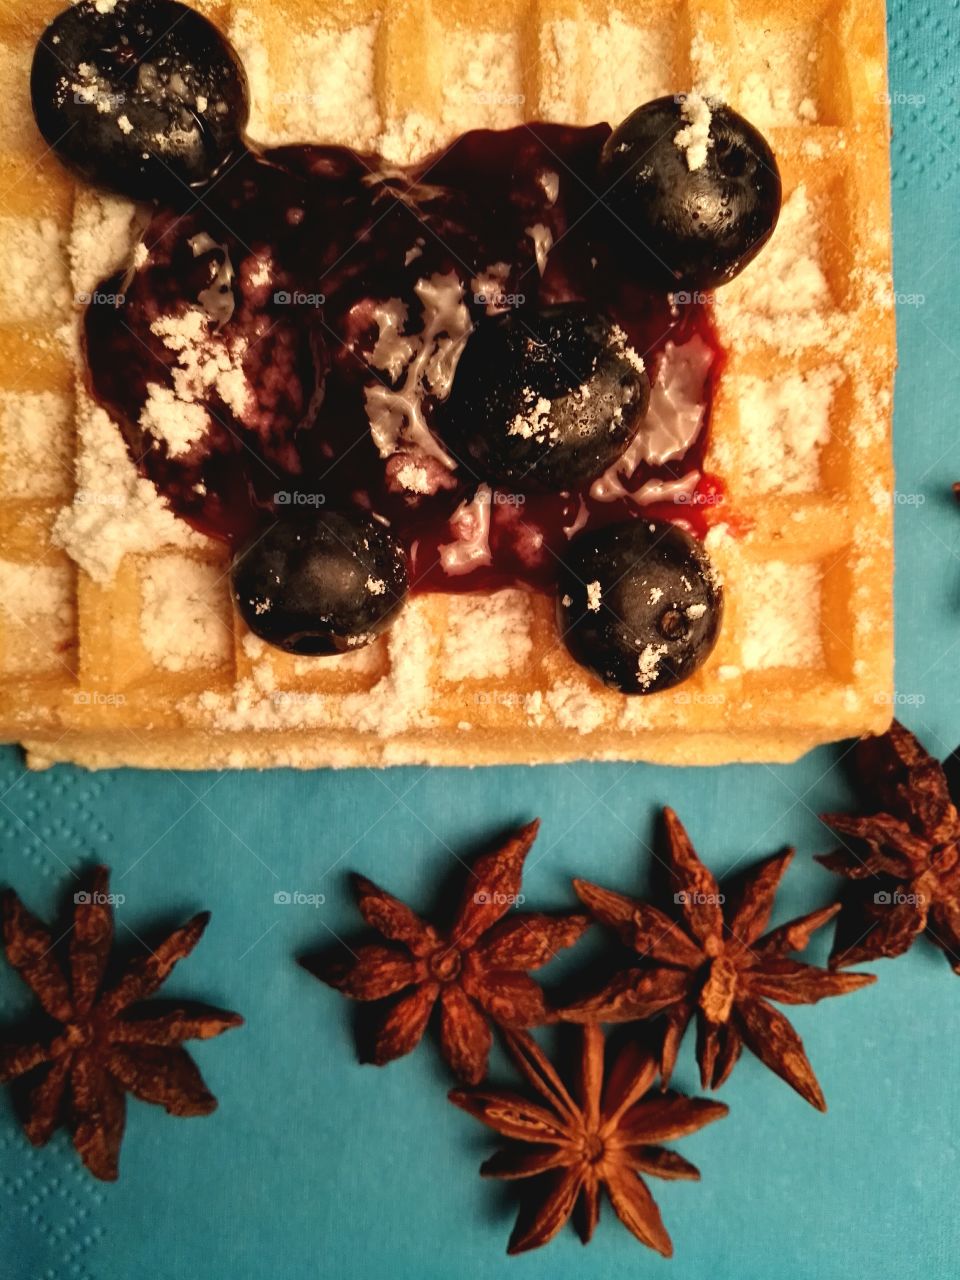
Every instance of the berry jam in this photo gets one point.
(286, 341)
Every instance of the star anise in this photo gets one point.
(715, 964)
(605, 1137)
(103, 1048)
(477, 970)
(905, 856)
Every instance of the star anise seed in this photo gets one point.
(904, 856)
(477, 971)
(105, 1048)
(715, 966)
(602, 1136)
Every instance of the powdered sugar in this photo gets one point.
(694, 137)
(791, 278)
(531, 424)
(780, 610)
(38, 611)
(486, 636)
(206, 361)
(33, 283)
(784, 424)
(115, 511)
(35, 436)
(185, 618)
(178, 424)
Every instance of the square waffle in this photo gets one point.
(118, 641)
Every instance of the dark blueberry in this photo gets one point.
(544, 399)
(638, 604)
(691, 228)
(323, 584)
(147, 99)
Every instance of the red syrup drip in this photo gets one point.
(357, 232)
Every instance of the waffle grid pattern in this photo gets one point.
(152, 668)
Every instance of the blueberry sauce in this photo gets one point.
(285, 342)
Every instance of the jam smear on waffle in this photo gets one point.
(314, 292)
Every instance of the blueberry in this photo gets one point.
(638, 604)
(147, 98)
(544, 399)
(323, 584)
(692, 228)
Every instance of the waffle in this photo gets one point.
(118, 641)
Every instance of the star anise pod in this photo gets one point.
(103, 1047)
(604, 1137)
(477, 970)
(905, 856)
(717, 965)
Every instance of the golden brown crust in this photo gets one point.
(806, 651)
